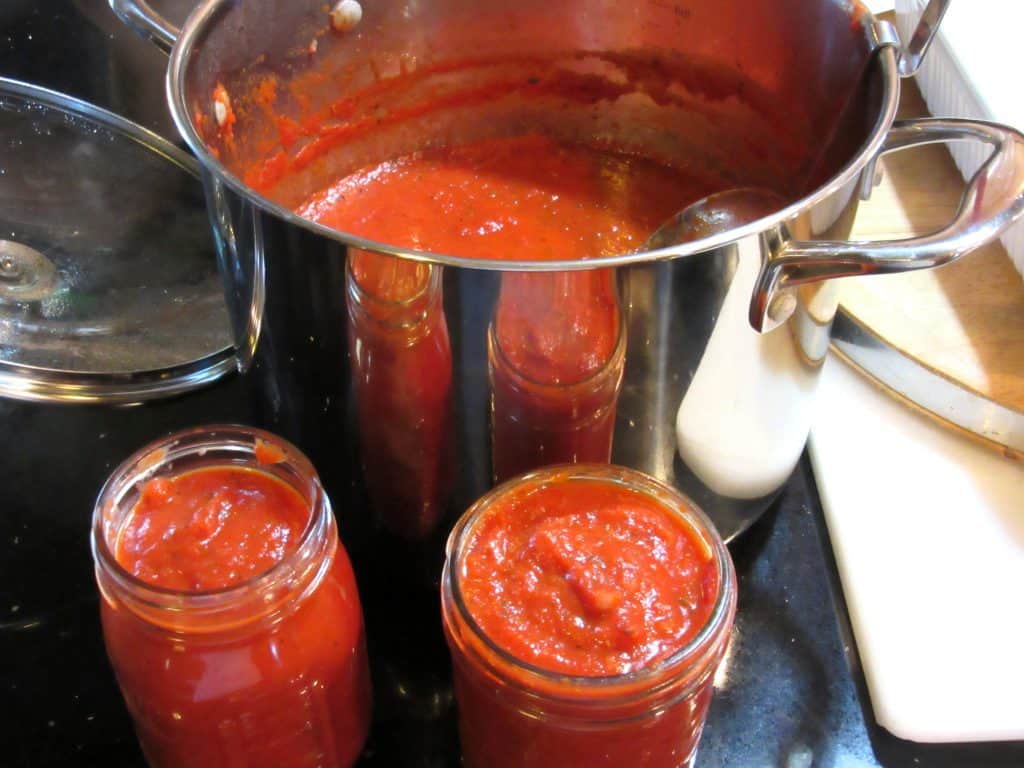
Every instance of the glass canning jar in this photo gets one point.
(269, 671)
(556, 353)
(516, 712)
(402, 380)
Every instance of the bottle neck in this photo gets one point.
(391, 293)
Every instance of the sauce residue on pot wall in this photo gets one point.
(284, 125)
(602, 77)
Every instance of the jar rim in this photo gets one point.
(422, 291)
(143, 464)
(618, 354)
(676, 502)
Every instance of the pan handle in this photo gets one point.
(913, 53)
(992, 201)
(142, 19)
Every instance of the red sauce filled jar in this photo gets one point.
(230, 610)
(556, 350)
(402, 377)
(587, 609)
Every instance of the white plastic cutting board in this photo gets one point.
(928, 532)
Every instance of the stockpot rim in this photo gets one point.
(205, 16)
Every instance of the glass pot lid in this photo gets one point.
(109, 290)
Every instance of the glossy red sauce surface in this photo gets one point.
(526, 197)
(586, 578)
(210, 528)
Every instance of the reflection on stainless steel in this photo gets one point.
(812, 321)
(658, 83)
(402, 385)
(937, 394)
(692, 352)
(548, 331)
(656, 361)
(744, 418)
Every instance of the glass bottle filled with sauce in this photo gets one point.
(556, 352)
(587, 609)
(230, 610)
(402, 376)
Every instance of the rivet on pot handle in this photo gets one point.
(993, 200)
(141, 18)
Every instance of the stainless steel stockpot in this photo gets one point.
(727, 334)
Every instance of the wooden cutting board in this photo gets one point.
(964, 321)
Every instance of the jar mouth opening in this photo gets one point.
(618, 353)
(240, 443)
(660, 670)
(422, 290)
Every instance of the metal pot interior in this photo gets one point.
(735, 92)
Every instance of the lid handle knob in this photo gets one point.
(25, 273)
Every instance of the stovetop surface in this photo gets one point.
(792, 694)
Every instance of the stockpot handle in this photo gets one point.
(992, 201)
(141, 18)
(912, 54)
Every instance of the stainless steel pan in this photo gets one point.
(727, 334)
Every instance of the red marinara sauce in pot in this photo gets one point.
(230, 610)
(587, 608)
(525, 197)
